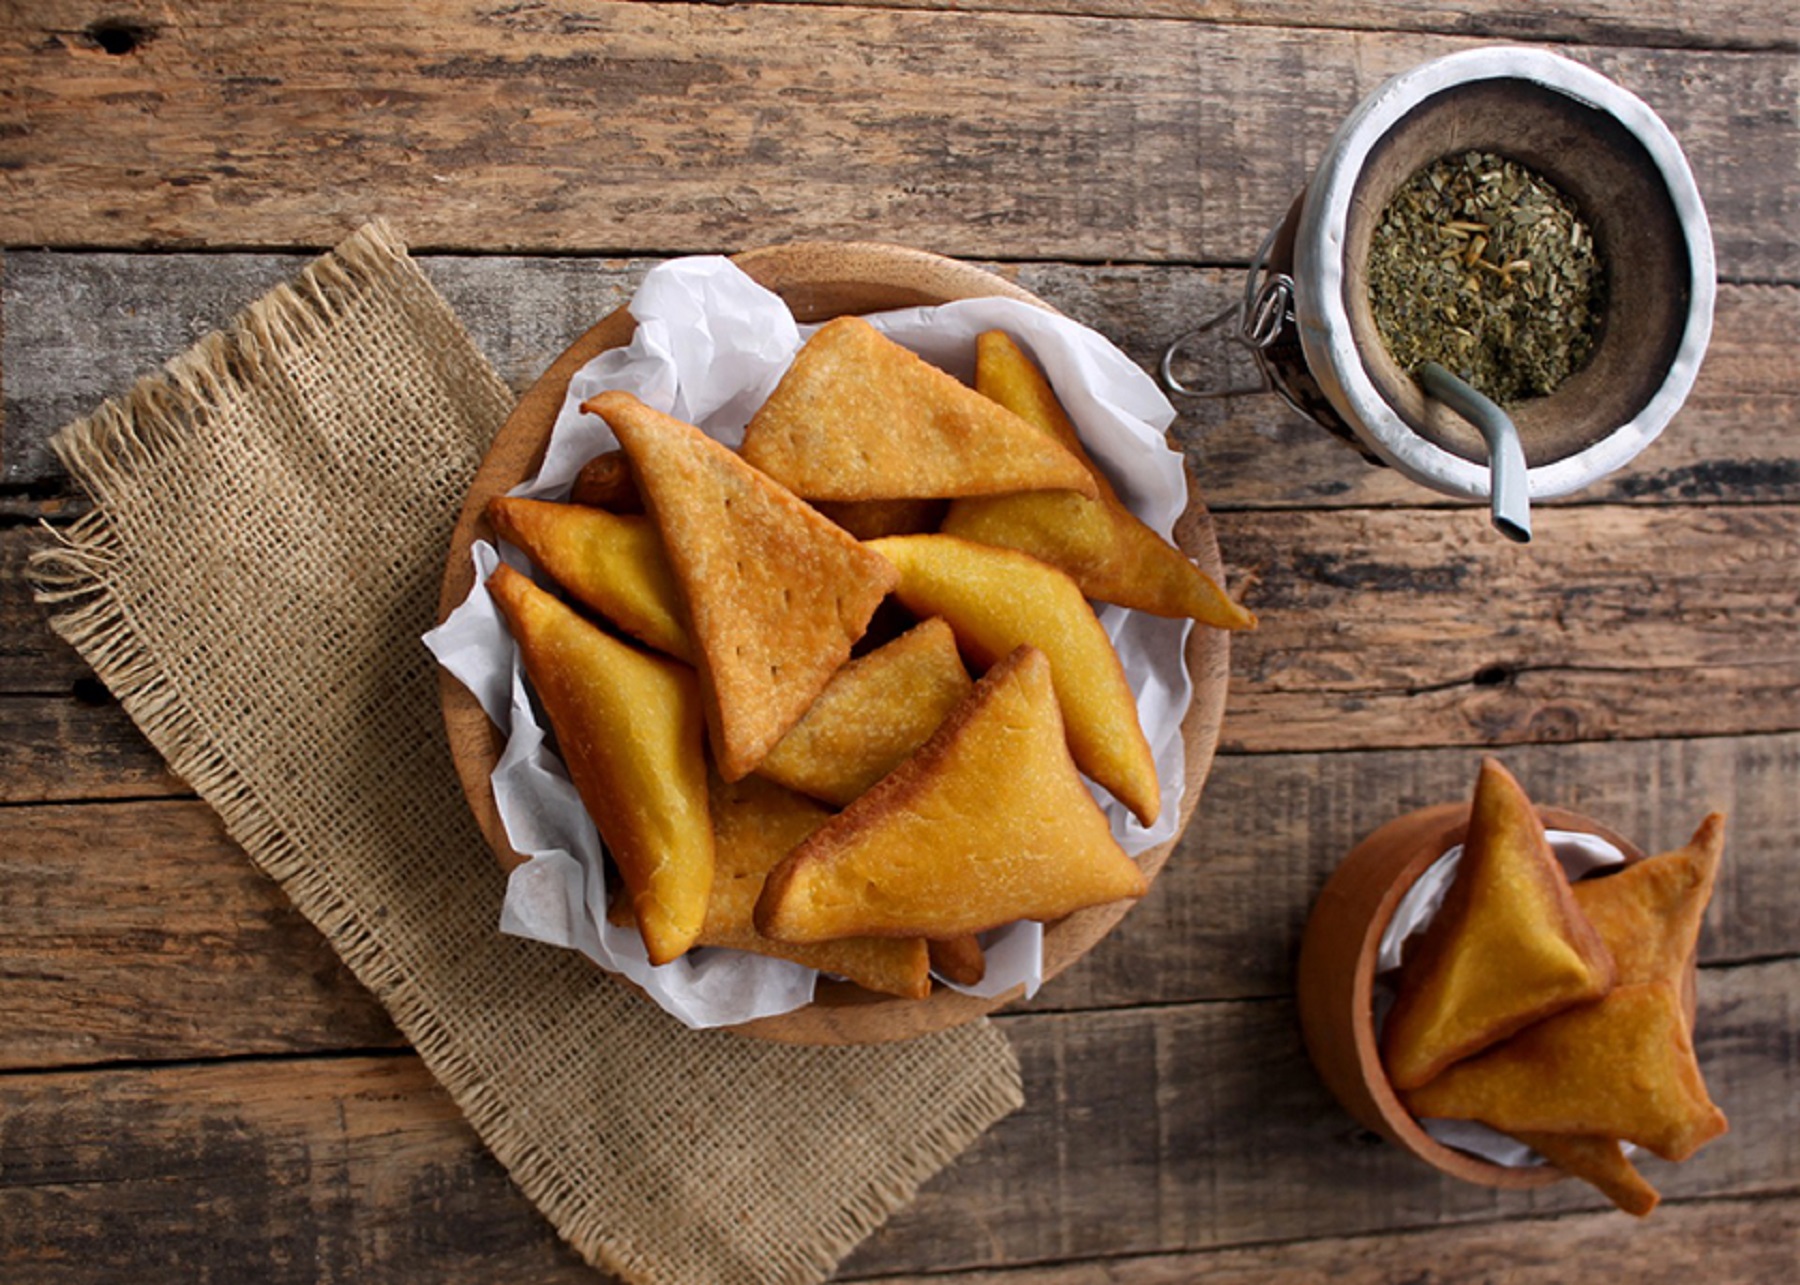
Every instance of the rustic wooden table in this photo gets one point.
(193, 1088)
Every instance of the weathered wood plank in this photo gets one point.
(1676, 23)
(1225, 917)
(1144, 1132)
(186, 952)
(1203, 1126)
(353, 1170)
(646, 127)
(1426, 628)
(79, 328)
(68, 748)
(1379, 629)
(140, 932)
(32, 659)
(1715, 1241)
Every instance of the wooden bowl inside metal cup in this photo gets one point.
(818, 281)
(1336, 980)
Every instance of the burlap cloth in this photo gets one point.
(270, 525)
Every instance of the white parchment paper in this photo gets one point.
(710, 345)
(1580, 855)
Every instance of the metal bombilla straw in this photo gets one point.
(1509, 488)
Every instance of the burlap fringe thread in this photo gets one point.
(125, 439)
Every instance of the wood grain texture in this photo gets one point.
(649, 127)
(1714, 1241)
(76, 748)
(1145, 1132)
(32, 659)
(350, 1170)
(1676, 23)
(139, 931)
(1425, 628)
(193, 1088)
(1202, 1126)
(79, 328)
(1617, 623)
(184, 951)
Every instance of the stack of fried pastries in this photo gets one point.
(758, 666)
(1560, 1014)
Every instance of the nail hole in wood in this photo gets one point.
(120, 36)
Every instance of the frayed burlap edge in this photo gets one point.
(130, 434)
(73, 576)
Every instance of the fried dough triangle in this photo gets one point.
(1103, 545)
(629, 728)
(1508, 947)
(1649, 913)
(1621, 1068)
(873, 713)
(988, 823)
(959, 959)
(610, 562)
(859, 417)
(775, 594)
(997, 599)
(755, 824)
(1599, 1161)
(605, 482)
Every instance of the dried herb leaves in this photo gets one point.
(1481, 265)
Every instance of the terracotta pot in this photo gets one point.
(1337, 977)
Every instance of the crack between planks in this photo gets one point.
(272, 1058)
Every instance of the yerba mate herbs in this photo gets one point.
(1482, 266)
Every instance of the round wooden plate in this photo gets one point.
(818, 281)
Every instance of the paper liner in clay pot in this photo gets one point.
(1337, 972)
(819, 281)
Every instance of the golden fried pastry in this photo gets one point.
(1103, 546)
(755, 824)
(859, 417)
(959, 959)
(630, 730)
(1508, 947)
(610, 562)
(606, 482)
(1599, 1161)
(775, 594)
(1620, 1068)
(996, 599)
(873, 713)
(1649, 913)
(872, 519)
(989, 822)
